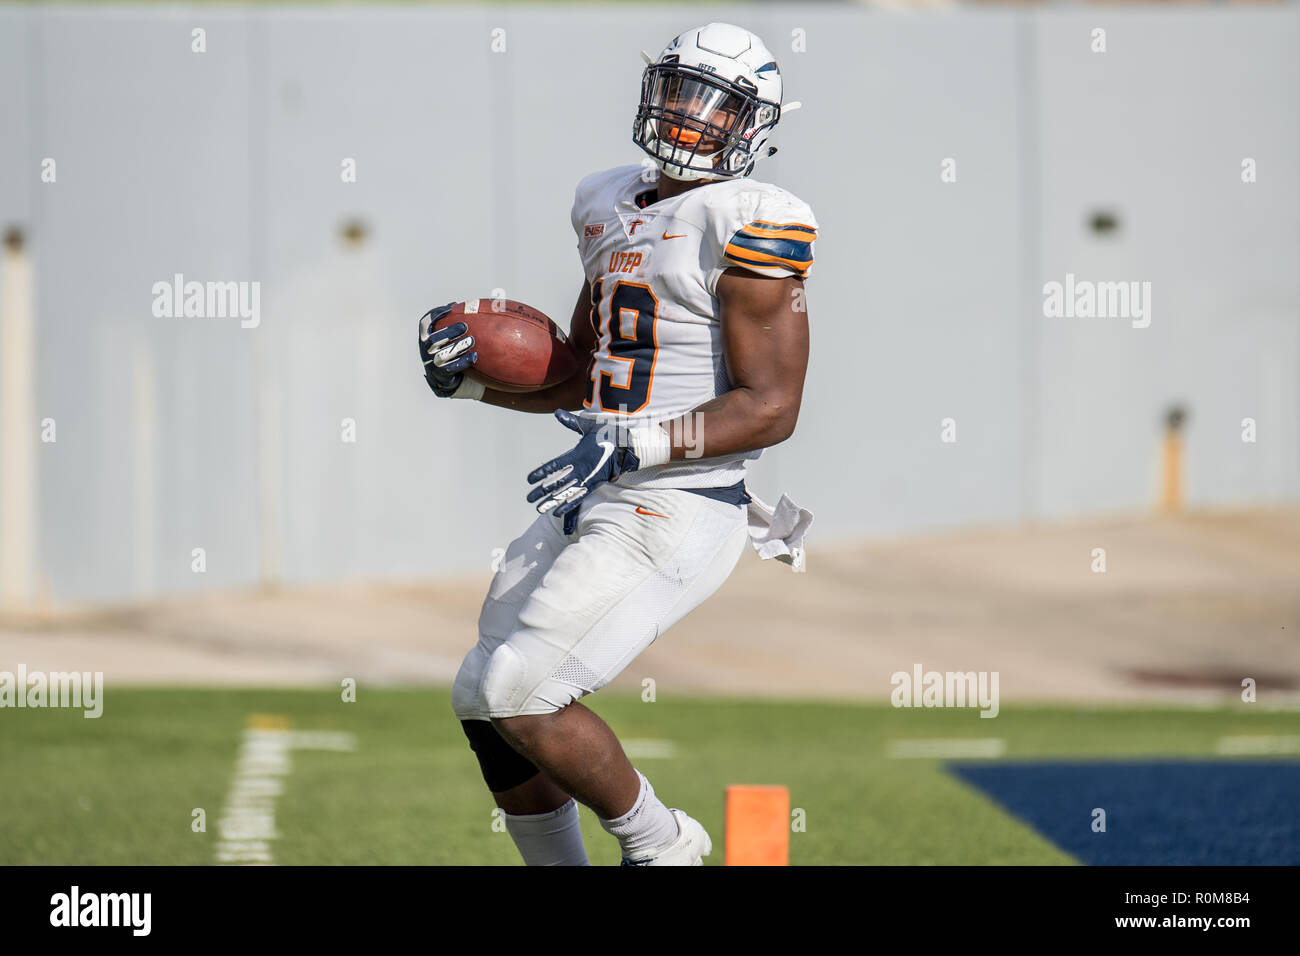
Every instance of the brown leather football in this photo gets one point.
(519, 348)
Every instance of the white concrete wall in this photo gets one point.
(925, 302)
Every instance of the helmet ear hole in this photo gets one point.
(771, 151)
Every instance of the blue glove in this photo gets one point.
(601, 455)
(444, 355)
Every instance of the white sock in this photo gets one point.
(649, 824)
(549, 839)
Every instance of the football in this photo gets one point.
(519, 348)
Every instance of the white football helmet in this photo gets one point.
(708, 104)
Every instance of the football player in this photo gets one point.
(692, 339)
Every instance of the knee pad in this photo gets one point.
(466, 699)
(504, 682)
(514, 687)
(503, 768)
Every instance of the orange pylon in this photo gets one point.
(758, 826)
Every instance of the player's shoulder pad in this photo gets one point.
(763, 228)
(595, 194)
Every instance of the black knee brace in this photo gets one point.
(503, 768)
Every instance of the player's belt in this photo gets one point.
(732, 495)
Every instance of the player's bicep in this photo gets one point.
(765, 336)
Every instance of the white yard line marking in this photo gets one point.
(247, 825)
(933, 748)
(1258, 745)
(649, 749)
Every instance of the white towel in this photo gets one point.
(779, 532)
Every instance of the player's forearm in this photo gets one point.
(568, 394)
(738, 421)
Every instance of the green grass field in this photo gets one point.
(121, 789)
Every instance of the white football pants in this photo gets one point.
(565, 614)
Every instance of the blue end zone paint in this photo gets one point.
(1157, 813)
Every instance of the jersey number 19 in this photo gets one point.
(625, 333)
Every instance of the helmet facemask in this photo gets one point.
(698, 125)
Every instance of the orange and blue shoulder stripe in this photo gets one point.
(779, 246)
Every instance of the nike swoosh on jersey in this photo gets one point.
(678, 235)
(642, 511)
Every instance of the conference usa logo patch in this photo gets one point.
(593, 230)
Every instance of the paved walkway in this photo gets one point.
(1186, 608)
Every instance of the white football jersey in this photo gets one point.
(654, 273)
